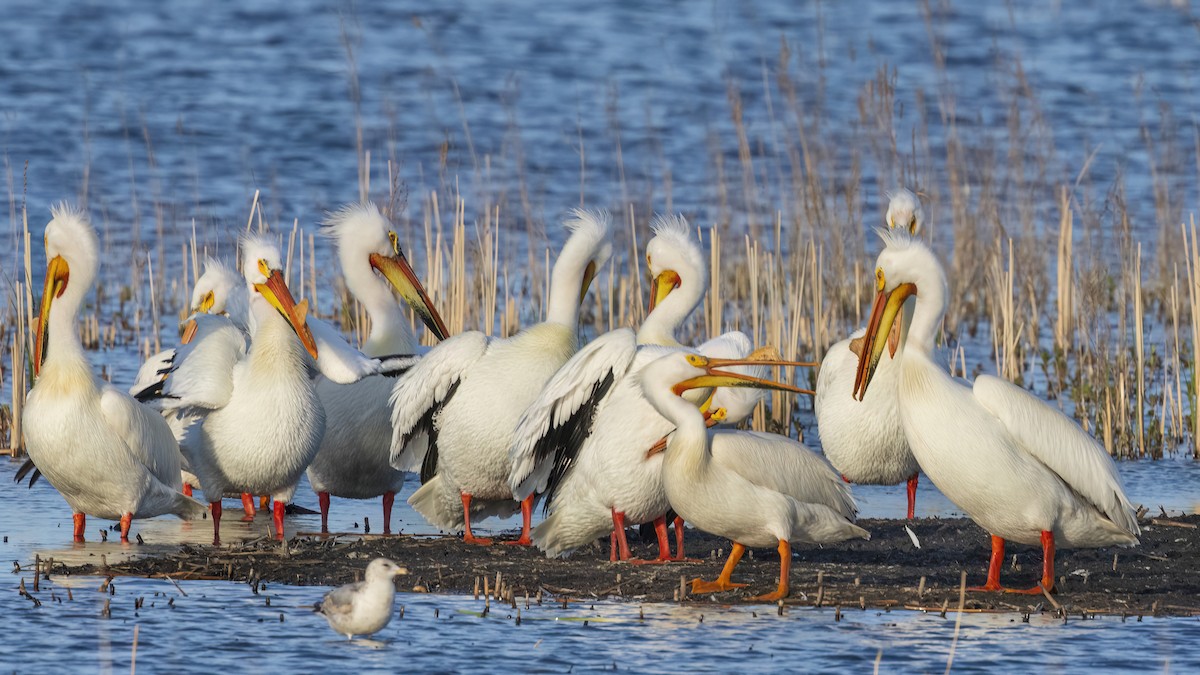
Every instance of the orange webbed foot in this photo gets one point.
(702, 586)
(1036, 590)
(523, 541)
(772, 596)
(478, 541)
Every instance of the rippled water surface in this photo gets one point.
(167, 116)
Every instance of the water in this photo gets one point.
(161, 116)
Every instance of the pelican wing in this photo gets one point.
(201, 374)
(781, 464)
(418, 396)
(336, 359)
(144, 432)
(553, 429)
(153, 371)
(1057, 442)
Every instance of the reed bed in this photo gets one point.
(1086, 314)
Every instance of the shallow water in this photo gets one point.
(229, 100)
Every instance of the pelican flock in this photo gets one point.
(631, 428)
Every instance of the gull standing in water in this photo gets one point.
(364, 607)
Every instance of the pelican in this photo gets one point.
(1022, 470)
(582, 443)
(465, 396)
(756, 489)
(353, 461)
(261, 421)
(108, 455)
(864, 440)
(220, 304)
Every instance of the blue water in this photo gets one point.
(164, 117)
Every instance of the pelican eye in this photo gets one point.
(264, 268)
(206, 302)
(697, 360)
(395, 242)
(879, 281)
(912, 225)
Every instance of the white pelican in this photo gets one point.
(108, 455)
(756, 489)
(261, 419)
(466, 395)
(1022, 470)
(582, 443)
(364, 607)
(220, 303)
(864, 440)
(353, 461)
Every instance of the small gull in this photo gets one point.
(363, 607)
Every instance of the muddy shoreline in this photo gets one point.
(1158, 578)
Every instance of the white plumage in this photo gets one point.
(753, 489)
(461, 403)
(108, 455)
(262, 421)
(364, 607)
(864, 439)
(1019, 468)
(583, 442)
(354, 458)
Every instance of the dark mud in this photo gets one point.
(1160, 577)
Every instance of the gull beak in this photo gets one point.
(715, 377)
(400, 275)
(276, 292)
(883, 319)
(662, 286)
(589, 273)
(57, 275)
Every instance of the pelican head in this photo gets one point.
(369, 248)
(72, 257)
(218, 291)
(674, 258)
(904, 268)
(263, 270)
(696, 371)
(904, 211)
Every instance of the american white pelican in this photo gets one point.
(755, 489)
(465, 396)
(261, 418)
(864, 440)
(1022, 470)
(108, 455)
(364, 607)
(583, 442)
(220, 304)
(353, 461)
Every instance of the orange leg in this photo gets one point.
(785, 570)
(187, 490)
(618, 519)
(323, 500)
(664, 546)
(215, 507)
(467, 536)
(679, 538)
(80, 523)
(1047, 568)
(912, 495)
(722, 583)
(526, 518)
(612, 546)
(993, 578)
(248, 506)
(126, 521)
(278, 508)
(389, 498)
(264, 502)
